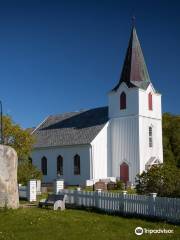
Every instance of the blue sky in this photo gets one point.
(60, 56)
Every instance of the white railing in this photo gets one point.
(22, 191)
(150, 206)
(30, 191)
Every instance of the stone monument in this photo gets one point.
(9, 196)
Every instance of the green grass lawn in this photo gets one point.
(73, 224)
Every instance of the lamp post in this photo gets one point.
(1, 109)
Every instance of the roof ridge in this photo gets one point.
(38, 126)
(78, 111)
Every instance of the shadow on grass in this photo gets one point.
(121, 214)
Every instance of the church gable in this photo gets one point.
(123, 101)
(152, 161)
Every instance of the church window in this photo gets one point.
(76, 164)
(44, 165)
(123, 100)
(150, 101)
(60, 165)
(150, 137)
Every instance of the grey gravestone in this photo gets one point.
(100, 185)
(9, 196)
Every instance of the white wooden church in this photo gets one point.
(120, 140)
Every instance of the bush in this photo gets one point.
(120, 185)
(27, 171)
(162, 179)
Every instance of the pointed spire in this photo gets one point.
(134, 72)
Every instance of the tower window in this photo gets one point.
(76, 164)
(123, 101)
(44, 165)
(150, 137)
(60, 165)
(150, 101)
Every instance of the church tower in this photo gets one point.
(135, 118)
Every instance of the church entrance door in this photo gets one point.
(124, 172)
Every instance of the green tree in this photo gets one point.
(27, 171)
(163, 179)
(171, 139)
(21, 140)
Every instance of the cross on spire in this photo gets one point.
(133, 21)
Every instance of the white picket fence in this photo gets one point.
(149, 206)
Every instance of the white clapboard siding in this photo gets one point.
(160, 207)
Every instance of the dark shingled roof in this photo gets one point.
(134, 72)
(71, 128)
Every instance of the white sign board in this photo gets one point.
(58, 185)
(31, 191)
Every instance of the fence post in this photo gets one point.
(77, 193)
(152, 207)
(31, 190)
(124, 201)
(98, 198)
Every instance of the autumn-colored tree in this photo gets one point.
(21, 140)
(27, 171)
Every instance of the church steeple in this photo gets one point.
(134, 72)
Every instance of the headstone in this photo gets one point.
(31, 191)
(111, 186)
(100, 185)
(9, 196)
(58, 185)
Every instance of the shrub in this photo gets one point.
(27, 171)
(162, 179)
(120, 185)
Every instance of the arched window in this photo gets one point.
(123, 100)
(44, 165)
(76, 164)
(60, 165)
(150, 137)
(150, 101)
